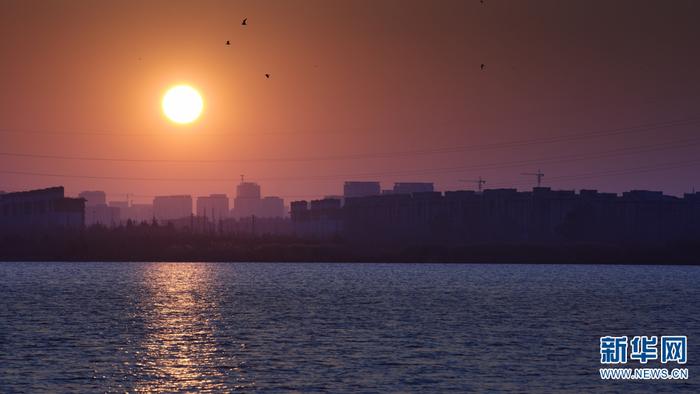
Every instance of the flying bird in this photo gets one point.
(228, 42)
(267, 76)
(483, 66)
(245, 22)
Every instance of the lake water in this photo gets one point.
(116, 327)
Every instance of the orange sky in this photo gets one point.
(359, 90)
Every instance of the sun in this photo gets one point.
(182, 104)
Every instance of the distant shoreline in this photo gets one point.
(155, 243)
(190, 248)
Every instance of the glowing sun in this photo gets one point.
(182, 104)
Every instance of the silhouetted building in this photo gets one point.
(540, 216)
(128, 211)
(93, 198)
(298, 210)
(103, 215)
(139, 213)
(412, 187)
(318, 219)
(122, 205)
(97, 212)
(38, 210)
(167, 208)
(247, 201)
(361, 189)
(123, 208)
(271, 207)
(214, 207)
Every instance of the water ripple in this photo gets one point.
(158, 327)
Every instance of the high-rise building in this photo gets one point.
(298, 210)
(97, 211)
(172, 207)
(118, 212)
(92, 198)
(248, 190)
(361, 189)
(36, 210)
(247, 201)
(272, 207)
(214, 207)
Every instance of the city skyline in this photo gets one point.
(595, 97)
(364, 218)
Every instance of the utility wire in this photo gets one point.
(520, 163)
(389, 154)
(608, 173)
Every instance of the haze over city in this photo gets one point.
(601, 97)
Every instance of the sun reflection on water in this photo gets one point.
(180, 351)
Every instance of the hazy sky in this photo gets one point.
(359, 90)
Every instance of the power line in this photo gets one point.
(607, 173)
(539, 175)
(502, 165)
(108, 133)
(480, 182)
(380, 155)
(517, 163)
(520, 163)
(116, 178)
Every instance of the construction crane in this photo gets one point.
(479, 182)
(537, 174)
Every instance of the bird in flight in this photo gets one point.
(483, 66)
(245, 22)
(228, 42)
(267, 76)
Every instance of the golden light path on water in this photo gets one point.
(180, 352)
